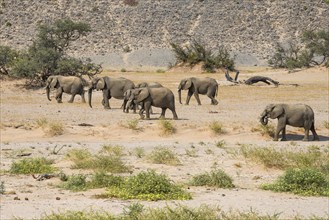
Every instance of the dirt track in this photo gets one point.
(238, 111)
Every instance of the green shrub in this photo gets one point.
(163, 155)
(113, 150)
(197, 53)
(326, 124)
(139, 152)
(55, 129)
(75, 183)
(271, 157)
(133, 211)
(148, 185)
(316, 45)
(265, 130)
(108, 162)
(217, 178)
(32, 166)
(101, 179)
(79, 215)
(7, 57)
(305, 181)
(167, 127)
(216, 127)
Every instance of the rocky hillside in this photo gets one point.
(134, 36)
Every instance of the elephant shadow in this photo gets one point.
(299, 137)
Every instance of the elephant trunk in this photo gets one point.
(90, 91)
(48, 92)
(180, 95)
(264, 118)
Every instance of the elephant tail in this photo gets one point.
(216, 90)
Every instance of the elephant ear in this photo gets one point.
(277, 111)
(54, 83)
(188, 84)
(142, 95)
(100, 85)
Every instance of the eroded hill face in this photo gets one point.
(138, 35)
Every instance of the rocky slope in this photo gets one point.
(249, 28)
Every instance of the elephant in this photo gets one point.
(68, 84)
(204, 86)
(126, 95)
(158, 97)
(296, 115)
(150, 85)
(111, 87)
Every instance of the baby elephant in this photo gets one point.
(158, 97)
(298, 115)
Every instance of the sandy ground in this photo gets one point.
(238, 110)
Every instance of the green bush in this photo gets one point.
(198, 53)
(101, 179)
(109, 162)
(282, 159)
(75, 183)
(7, 57)
(32, 166)
(163, 155)
(2, 187)
(305, 181)
(216, 127)
(217, 178)
(148, 185)
(167, 127)
(316, 45)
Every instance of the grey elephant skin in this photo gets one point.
(296, 115)
(158, 97)
(150, 85)
(66, 84)
(195, 86)
(111, 87)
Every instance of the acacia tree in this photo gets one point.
(7, 56)
(48, 53)
(315, 52)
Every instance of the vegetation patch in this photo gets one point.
(217, 178)
(109, 162)
(139, 152)
(326, 124)
(197, 53)
(304, 181)
(216, 127)
(163, 155)
(265, 130)
(148, 185)
(32, 166)
(132, 124)
(136, 211)
(283, 159)
(167, 127)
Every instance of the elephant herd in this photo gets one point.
(154, 94)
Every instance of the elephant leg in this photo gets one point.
(105, 100)
(59, 94)
(72, 98)
(174, 113)
(188, 97)
(211, 95)
(284, 134)
(163, 113)
(124, 106)
(196, 95)
(83, 97)
(315, 135)
(306, 134)
(281, 125)
(147, 106)
(141, 111)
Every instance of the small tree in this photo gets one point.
(47, 55)
(199, 53)
(316, 44)
(7, 56)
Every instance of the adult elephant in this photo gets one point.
(150, 85)
(111, 87)
(158, 97)
(297, 115)
(66, 84)
(195, 86)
